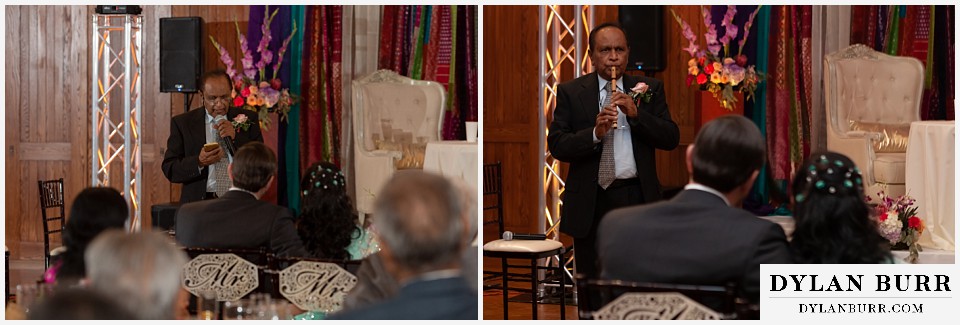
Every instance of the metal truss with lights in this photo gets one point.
(563, 56)
(116, 107)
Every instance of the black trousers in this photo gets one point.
(622, 193)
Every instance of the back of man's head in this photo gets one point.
(253, 165)
(142, 268)
(419, 219)
(726, 152)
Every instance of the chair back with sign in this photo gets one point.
(607, 299)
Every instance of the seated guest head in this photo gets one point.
(727, 156)
(833, 221)
(79, 304)
(420, 224)
(328, 224)
(142, 268)
(253, 168)
(94, 210)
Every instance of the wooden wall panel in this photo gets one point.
(47, 104)
(510, 118)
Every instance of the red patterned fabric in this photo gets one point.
(321, 113)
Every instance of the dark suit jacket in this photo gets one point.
(571, 141)
(692, 239)
(238, 220)
(447, 298)
(181, 161)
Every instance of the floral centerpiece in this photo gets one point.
(898, 223)
(252, 90)
(721, 73)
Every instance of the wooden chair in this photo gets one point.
(593, 294)
(51, 196)
(532, 250)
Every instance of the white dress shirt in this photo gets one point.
(701, 187)
(626, 165)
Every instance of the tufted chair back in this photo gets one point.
(871, 99)
(393, 119)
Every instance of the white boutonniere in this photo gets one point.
(641, 92)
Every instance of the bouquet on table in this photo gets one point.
(252, 90)
(720, 73)
(898, 223)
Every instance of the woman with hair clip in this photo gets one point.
(93, 211)
(328, 225)
(834, 223)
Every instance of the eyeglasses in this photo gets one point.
(211, 100)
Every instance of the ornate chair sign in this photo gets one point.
(230, 276)
(316, 286)
(660, 305)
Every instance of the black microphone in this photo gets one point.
(229, 140)
(509, 235)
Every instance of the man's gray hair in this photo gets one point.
(141, 269)
(419, 216)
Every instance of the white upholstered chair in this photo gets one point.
(871, 99)
(394, 118)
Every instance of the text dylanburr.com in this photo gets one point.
(851, 292)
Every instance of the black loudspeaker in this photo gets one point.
(644, 27)
(180, 54)
(164, 216)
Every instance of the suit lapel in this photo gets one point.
(590, 95)
(196, 124)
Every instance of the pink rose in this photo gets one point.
(240, 118)
(640, 88)
(238, 101)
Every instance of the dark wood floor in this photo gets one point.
(493, 299)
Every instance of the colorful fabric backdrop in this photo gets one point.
(923, 32)
(437, 43)
(311, 69)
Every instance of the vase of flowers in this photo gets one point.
(252, 88)
(716, 68)
(898, 222)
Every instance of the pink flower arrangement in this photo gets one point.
(899, 224)
(720, 73)
(252, 90)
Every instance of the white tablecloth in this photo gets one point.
(928, 256)
(453, 159)
(930, 180)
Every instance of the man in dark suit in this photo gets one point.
(700, 236)
(609, 167)
(186, 162)
(423, 230)
(239, 219)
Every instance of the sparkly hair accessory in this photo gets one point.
(831, 177)
(324, 178)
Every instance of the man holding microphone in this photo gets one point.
(201, 142)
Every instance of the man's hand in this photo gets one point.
(605, 121)
(226, 129)
(211, 157)
(626, 104)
